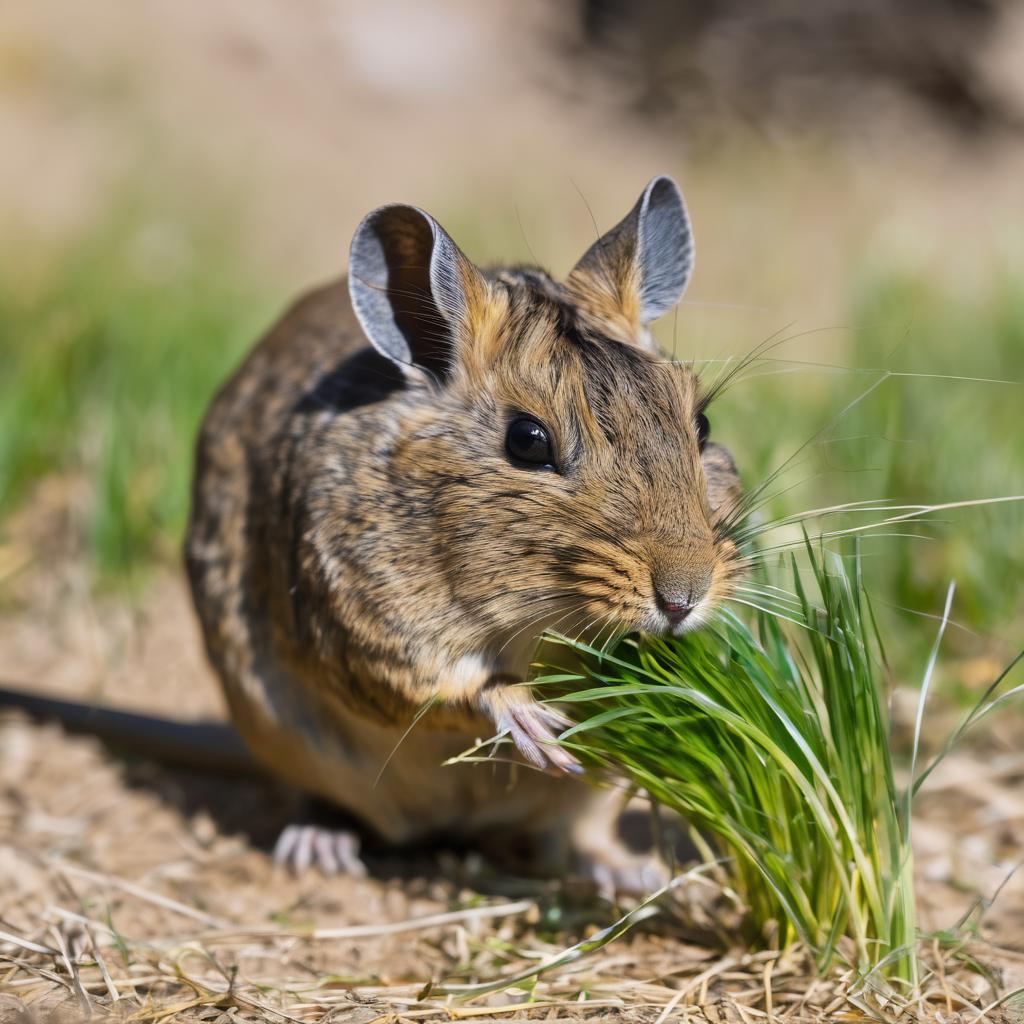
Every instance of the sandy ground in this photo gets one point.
(80, 825)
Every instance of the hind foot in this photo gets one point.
(333, 851)
(610, 853)
(623, 879)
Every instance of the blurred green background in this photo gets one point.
(172, 177)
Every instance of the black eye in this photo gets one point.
(527, 443)
(703, 425)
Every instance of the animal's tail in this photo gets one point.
(200, 746)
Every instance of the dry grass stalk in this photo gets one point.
(102, 975)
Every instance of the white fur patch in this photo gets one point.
(465, 677)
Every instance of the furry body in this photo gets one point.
(361, 544)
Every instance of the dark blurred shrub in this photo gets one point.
(800, 61)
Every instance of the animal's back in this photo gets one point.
(314, 367)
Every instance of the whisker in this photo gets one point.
(912, 514)
(761, 487)
(428, 704)
(755, 355)
(768, 611)
(533, 623)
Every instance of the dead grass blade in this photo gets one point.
(417, 923)
(113, 882)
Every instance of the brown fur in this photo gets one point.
(360, 545)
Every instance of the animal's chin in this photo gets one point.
(654, 623)
(600, 624)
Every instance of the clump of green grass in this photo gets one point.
(774, 742)
(107, 363)
(776, 745)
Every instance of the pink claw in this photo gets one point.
(533, 727)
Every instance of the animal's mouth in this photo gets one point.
(667, 603)
(677, 603)
(695, 617)
(663, 620)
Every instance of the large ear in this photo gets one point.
(412, 287)
(639, 270)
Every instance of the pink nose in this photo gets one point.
(674, 611)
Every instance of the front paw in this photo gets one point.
(531, 725)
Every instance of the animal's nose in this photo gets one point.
(679, 589)
(675, 608)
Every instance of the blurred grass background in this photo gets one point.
(109, 359)
(917, 431)
(175, 175)
(107, 364)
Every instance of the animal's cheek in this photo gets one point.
(722, 478)
(433, 461)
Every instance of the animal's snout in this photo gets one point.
(680, 588)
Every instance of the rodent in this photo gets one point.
(418, 471)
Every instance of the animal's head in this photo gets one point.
(565, 463)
